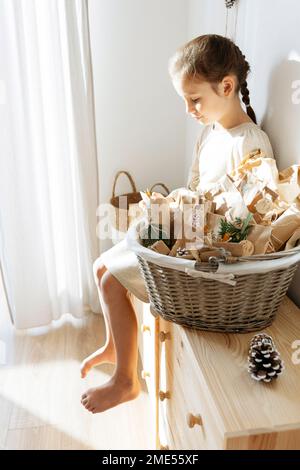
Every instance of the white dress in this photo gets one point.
(217, 151)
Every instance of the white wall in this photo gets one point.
(140, 120)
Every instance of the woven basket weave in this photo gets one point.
(248, 304)
(211, 305)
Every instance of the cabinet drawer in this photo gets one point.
(186, 419)
(146, 333)
(148, 351)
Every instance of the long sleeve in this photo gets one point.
(253, 139)
(220, 151)
(194, 173)
(193, 178)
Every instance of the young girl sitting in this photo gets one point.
(208, 73)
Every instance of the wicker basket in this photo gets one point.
(120, 222)
(247, 302)
(123, 217)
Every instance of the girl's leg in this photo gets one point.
(107, 353)
(124, 384)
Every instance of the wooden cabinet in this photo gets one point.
(203, 396)
(186, 420)
(149, 354)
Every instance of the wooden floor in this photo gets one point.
(40, 390)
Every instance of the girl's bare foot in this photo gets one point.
(113, 393)
(103, 355)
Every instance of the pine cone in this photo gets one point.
(264, 360)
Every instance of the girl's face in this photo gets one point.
(201, 100)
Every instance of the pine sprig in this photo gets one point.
(237, 231)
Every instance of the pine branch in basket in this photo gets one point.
(235, 232)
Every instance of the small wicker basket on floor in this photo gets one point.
(208, 304)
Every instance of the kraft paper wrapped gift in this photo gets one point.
(249, 185)
(289, 183)
(266, 206)
(261, 167)
(243, 248)
(260, 236)
(158, 209)
(160, 247)
(227, 199)
(175, 211)
(294, 240)
(248, 162)
(267, 172)
(284, 227)
(214, 223)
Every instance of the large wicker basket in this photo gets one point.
(215, 299)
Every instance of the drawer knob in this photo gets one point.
(161, 447)
(164, 395)
(194, 419)
(163, 335)
(145, 374)
(145, 328)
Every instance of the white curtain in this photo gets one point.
(48, 161)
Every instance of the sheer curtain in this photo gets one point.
(48, 161)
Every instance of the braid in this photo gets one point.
(244, 85)
(246, 101)
(245, 93)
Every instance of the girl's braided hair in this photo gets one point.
(212, 57)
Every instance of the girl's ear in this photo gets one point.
(228, 85)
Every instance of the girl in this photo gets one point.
(208, 73)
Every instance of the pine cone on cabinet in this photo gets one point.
(264, 362)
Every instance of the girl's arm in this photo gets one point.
(254, 139)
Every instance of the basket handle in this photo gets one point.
(129, 177)
(162, 185)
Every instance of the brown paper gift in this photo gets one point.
(230, 203)
(188, 214)
(178, 244)
(265, 206)
(284, 227)
(205, 255)
(214, 223)
(294, 240)
(289, 183)
(158, 209)
(160, 247)
(243, 248)
(260, 236)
